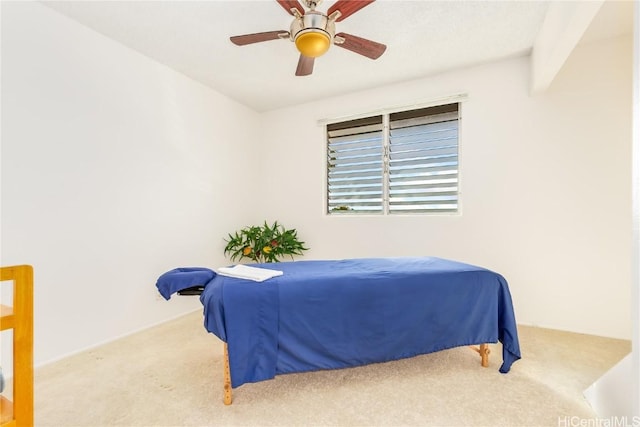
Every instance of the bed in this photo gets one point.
(330, 314)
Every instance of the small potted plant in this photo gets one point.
(264, 243)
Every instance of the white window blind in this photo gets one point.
(355, 166)
(409, 165)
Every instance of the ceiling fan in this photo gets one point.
(313, 32)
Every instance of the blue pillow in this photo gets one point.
(181, 278)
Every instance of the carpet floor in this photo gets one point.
(171, 375)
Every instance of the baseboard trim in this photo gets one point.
(116, 338)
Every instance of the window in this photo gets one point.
(403, 162)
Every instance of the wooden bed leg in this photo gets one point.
(227, 377)
(483, 351)
(484, 354)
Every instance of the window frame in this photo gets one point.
(386, 114)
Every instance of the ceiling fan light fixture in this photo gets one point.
(313, 42)
(313, 32)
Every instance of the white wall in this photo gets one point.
(115, 169)
(545, 185)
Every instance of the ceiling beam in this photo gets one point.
(562, 29)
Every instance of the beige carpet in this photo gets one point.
(171, 375)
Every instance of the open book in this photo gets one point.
(246, 272)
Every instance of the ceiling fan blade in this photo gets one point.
(348, 7)
(305, 66)
(289, 4)
(257, 37)
(364, 47)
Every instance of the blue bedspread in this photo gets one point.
(335, 314)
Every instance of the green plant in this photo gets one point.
(264, 243)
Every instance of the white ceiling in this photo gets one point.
(422, 38)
